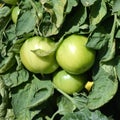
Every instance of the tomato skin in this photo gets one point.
(73, 55)
(69, 83)
(38, 64)
(11, 2)
(15, 13)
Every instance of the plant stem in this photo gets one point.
(66, 95)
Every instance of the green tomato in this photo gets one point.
(11, 2)
(73, 55)
(36, 55)
(69, 83)
(15, 13)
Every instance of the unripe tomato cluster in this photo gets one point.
(42, 55)
(75, 59)
(39, 55)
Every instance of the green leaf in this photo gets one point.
(109, 51)
(85, 114)
(42, 53)
(10, 33)
(4, 99)
(73, 22)
(45, 53)
(16, 45)
(59, 8)
(105, 85)
(65, 106)
(53, 17)
(30, 95)
(7, 63)
(98, 11)
(14, 77)
(116, 6)
(80, 101)
(10, 115)
(4, 11)
(102, 39)
(98, 39)
(118, 33)
(117, 66)
(87, 3)
(70, 5)
(111, 46)
(26, 23)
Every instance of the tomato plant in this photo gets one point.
(38, 56)
(15, 13)
(12, 2)
(73, 55)
(69, 83)
(67, 34)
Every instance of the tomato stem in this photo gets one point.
(66, 95)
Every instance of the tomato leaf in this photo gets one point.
(30, 95)
(53, 17)
(43, 53)
(15, 77)
(110, 52)
(103, 38)
(10, 114)
(98, 39)
(117, 66)
(70, 5)
(4, 98)
(7, 63)
(98, 11)
(59, 8)
(73, 22)
(85, 114)
(10, 33)
(116, 5)
(26, 23)
(4, 11)
(80, 101)
(65, 106)
(87, 3)
(105, 85)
